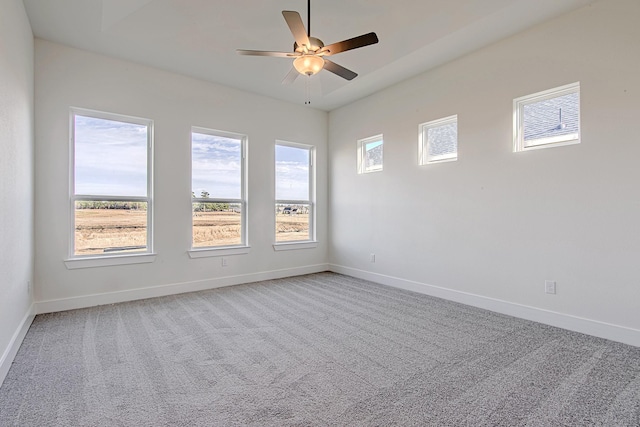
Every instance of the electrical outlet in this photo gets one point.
(549, 287)
(372, 257)
(224, 262)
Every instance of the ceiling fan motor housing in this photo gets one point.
(316, 45)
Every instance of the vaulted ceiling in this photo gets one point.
(198, 38)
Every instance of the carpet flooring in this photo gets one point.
(316, 350)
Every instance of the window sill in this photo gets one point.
(549, 143)
(443, 159)
(223, 251)
(91, 262)
(294, 245)
(366, 171)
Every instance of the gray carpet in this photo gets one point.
(322, 349)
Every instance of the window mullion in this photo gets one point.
(92, 198)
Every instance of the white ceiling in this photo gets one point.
(198, 38)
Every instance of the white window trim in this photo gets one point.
(290, 246)
(519, 143)
(218, 251)
(362, 164)
(105, 261)
(86, 261)
(226, 250)
(423, 142)
(308, 243)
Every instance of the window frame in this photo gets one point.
(362, 153)
(424, 143)
(222, 250)
(311, 242)
(105, 259)
(519, 144)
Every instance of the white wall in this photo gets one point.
(496, 224)
(16, 177)
(68, 77)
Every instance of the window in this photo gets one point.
(218, 189)
(110, 184)
(294, 192)
(370, 154)
(547, 119)
(439, 140)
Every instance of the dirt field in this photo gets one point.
(107, 230)
(216, 229)
(100, 230)
(292, 227)
(223, 228)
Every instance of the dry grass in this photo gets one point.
(292, 227)
(100, 229)
(216, 229)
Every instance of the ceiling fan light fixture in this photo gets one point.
(309, 52)
(308, 64)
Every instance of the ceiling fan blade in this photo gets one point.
(354, 43)
(265, 53)
(290, 77)
(297, 27)
(339, 70)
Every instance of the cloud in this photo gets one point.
(292, 173)
(110, 157)
(216, 166)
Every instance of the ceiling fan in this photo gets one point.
(310, 53)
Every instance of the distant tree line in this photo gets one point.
(208, 207)
(138, 206)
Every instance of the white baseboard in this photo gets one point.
(596, 328)
(14, 344)
(84, 301)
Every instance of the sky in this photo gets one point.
(216, 169)
(292, 173)
(111, 160)
(216, 166)
(371, 145)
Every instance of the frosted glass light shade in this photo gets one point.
(308, 64)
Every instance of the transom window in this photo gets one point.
(370, 152)
(547, 119)
(439, 140)
(218, 188)
(295, 210)
(111, 184)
